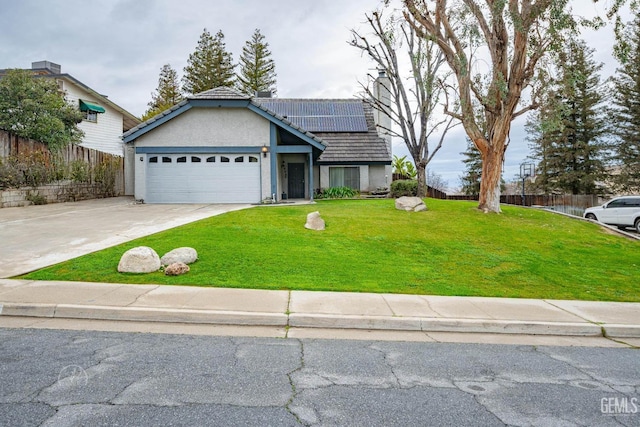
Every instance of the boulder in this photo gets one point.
(141, 259)
(314, 221)
(415, 204)
(176, 269)
(184, 255)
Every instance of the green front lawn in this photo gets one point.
(369, 246)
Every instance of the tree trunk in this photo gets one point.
(489, 199)
(422, 179)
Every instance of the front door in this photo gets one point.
(296, 180)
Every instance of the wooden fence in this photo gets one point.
(567, 203)
(15, 146)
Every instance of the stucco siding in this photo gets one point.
(379, 177)
(218, 127)
(106, 133)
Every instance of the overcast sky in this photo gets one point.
(117, 47)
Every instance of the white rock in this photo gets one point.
(314, 221)
(141, 259)
(406, 203)
(185, 255)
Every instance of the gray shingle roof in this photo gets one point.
(355, 147)
(352, 137)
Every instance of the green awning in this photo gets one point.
(90, 106)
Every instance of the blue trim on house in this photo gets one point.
(273, 146)
(183, 109)
(311, 177)
(212, 150)
(289, 149)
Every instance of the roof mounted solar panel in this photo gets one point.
(320, 115)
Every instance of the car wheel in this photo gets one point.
(591, 216)
(637, 226)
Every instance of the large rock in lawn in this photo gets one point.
(184, 255)
(141, 259)
(314, 221)
(415, 204)
(176, 269)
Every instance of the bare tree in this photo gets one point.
(414, 94)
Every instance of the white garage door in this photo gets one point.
(203, 178)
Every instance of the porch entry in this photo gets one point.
(296, 180)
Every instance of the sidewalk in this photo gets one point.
(329, 310)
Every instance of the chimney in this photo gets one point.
(381, 113)
(54, 68)
(264, 94)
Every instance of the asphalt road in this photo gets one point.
(69, 378)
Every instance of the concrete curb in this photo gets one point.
(323, 321)
(452, 325)
(143, 314)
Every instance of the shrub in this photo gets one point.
(11, 175)
(80, 171)
(336, 193)
(105, 176)
(36, 198)
(404, 187)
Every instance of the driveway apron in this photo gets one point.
(38, 236)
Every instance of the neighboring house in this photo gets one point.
(222, 146)
(104, 121)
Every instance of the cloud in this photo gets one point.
(118, 48)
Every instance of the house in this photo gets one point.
(223, 146)
(103, 122)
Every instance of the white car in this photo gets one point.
(622, 212)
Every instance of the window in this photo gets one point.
(211, 159)
(90, 116)
(195, 159)
(90, 110)
(166, 159)
(224, 159)
(182, 159)
(153, 159)
(239, 159)
(253, 159)
(345, 177)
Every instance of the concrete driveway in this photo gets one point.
(37, 236)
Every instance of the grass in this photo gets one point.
(369, 246)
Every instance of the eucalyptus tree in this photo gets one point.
(495, 50)
(415, 95)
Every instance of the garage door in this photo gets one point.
(203, 178)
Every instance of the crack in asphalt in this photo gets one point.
(294, 390)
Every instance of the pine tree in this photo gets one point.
(257, 69)
(627, 115)
(568, 132)
(167, 93)
(472, 171)
(209, 66)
